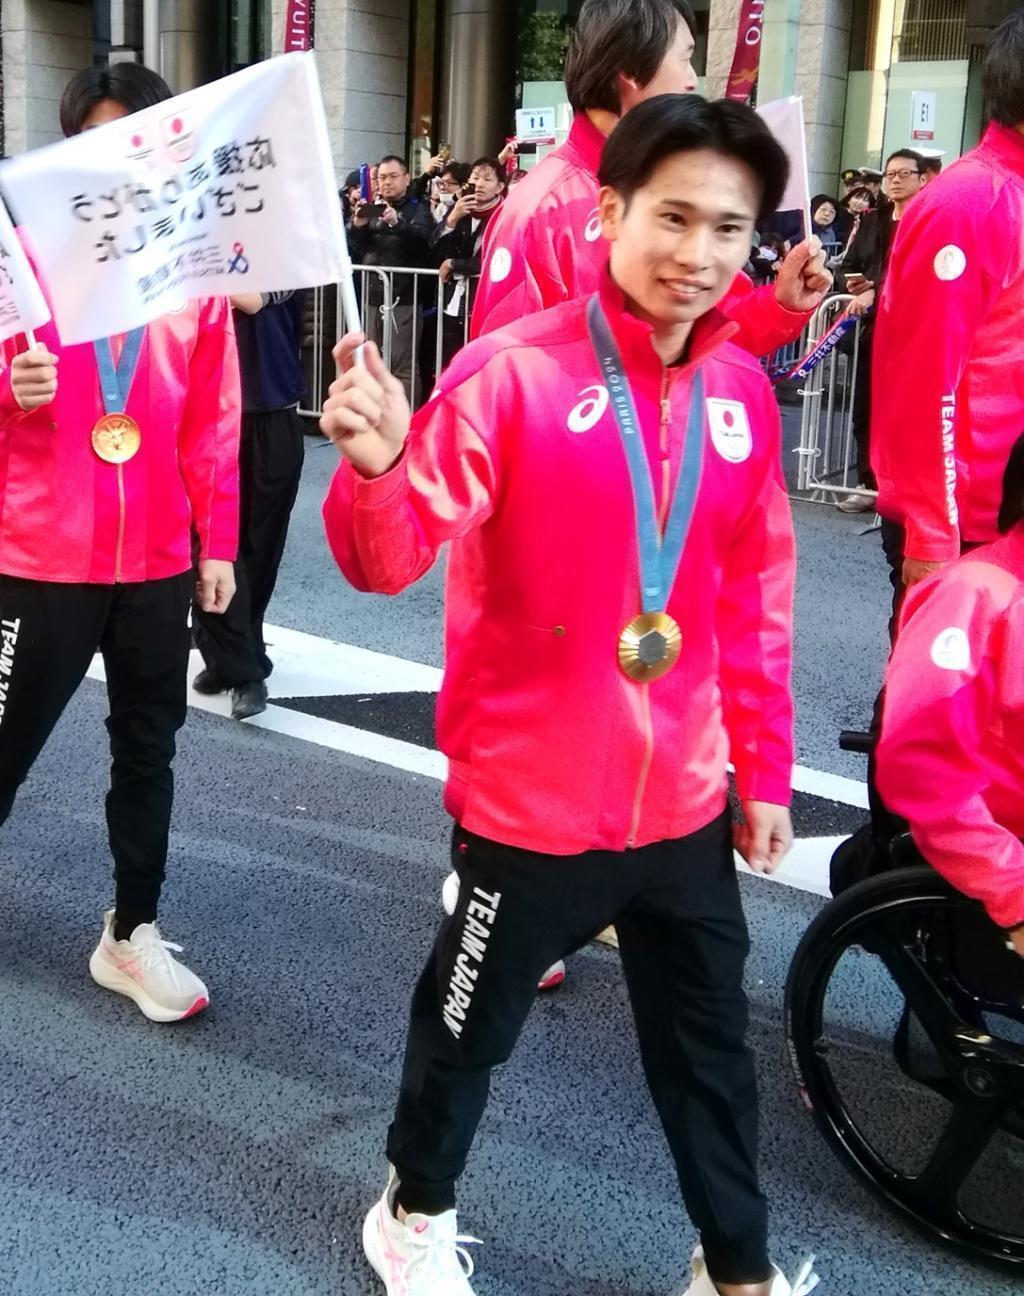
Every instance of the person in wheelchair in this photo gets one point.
(951, 756)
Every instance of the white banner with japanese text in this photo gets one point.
(22, 305)
(226, 189)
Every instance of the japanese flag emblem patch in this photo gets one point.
(730, 429)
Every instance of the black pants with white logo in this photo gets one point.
(270, 467)
(48, 635)
(683, 943)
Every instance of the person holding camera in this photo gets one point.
(394, 231)
(457, 242)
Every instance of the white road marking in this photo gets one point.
(307, 666)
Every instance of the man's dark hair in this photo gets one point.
(393, 157)
(933, 164)
(1011, 510)
(459, 171)
(667, 124)
(494, 165)
(613, 36)
(1004, 72)
(910, 156)
(130, 84)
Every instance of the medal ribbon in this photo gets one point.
(660, 556)
(116, 383)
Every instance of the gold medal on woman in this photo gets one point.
(116, 438)
(649, 646)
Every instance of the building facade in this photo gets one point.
(407, 75)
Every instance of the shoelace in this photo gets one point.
(437, 1254)
(806, 1280)
(155, 951)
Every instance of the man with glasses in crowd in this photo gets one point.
(864, 268)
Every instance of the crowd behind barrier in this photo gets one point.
(376, 292)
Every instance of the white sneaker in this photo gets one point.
(142, 969)
(422, 1257)
(857, 504)
(552, 978)
(805, 1282)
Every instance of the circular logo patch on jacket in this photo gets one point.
(951, 650)
(730, 429)
(501, 265)
(950, 263)
(593, 231)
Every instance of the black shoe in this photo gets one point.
(248, 700)
(209, 682)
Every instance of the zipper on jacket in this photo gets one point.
(120, 523)
(645, 768)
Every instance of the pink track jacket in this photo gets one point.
(518, 461)
(951, 759)
(544, 247)
(67, 516)
(948, 377)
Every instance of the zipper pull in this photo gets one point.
(666, 411)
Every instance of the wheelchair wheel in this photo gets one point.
(905, 1026)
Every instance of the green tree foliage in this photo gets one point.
(544, 47)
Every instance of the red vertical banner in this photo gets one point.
(298, 32)
(747, 59)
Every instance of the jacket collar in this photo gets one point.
(1007, 144)
(635, 336)
(584, 145)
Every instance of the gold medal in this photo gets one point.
(649, 646)
(116, 438)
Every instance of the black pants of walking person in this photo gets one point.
(270, 467)
(683, 944)
(49, 633)
(861, 413)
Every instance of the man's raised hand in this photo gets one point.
(366, 413)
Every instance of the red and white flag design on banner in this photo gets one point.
(746, 61)
(298, 32)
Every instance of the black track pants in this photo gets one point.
(683, 942)
(49, 634)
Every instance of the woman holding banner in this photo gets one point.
(112, 451)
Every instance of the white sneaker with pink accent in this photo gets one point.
(424, 1256)
(142, 968)
(804, 1283)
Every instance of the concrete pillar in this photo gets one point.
(190, 43)
(44, 43)
(479, 78)
(805, 50)
(363, 56)
(823, 63)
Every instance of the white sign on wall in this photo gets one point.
(535, 125)
(923, 109)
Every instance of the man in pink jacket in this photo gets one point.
(109, 454)
(618, 628)
(951, 759)
(544, 247)
(948, 384)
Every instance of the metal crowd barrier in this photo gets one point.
(827, 451)
(378, 296)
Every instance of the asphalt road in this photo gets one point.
(235, 1154)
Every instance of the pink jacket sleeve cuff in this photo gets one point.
(928, 545)
(769, 786)
(377, 492)
(9, 407)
